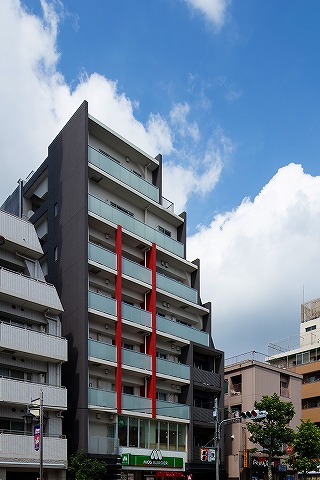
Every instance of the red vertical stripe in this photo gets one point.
(118, 332)
(152, 339)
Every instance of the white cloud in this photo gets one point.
(178, 116)
(198, 174)
(256, 260)
(213, 10)
(36, 101)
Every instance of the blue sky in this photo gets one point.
(228, 92)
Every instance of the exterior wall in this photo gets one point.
(254, 379)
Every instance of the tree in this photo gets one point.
(83, 468)
(273, 431)
(306, 447)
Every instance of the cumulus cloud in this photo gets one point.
(36, 100)
(199, 173)
(257, 259)
(213, 10)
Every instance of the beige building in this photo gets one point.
(247, 378)
(301, 354)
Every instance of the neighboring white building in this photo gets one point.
(301, 354)
(31, 354)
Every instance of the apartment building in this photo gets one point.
(31, 354)
(247, 378)
(143, 373)
(301, 354)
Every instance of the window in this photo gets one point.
(226, 386)
(161, 396)
(313, 327)
(122, 209)
(127, 346)
(127, 389)
(109, 156)
(164, 231)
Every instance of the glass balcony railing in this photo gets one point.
(133, 269)
(173, 369)
(171, 409)
(104, 304)
(104, 210)
(136, 359)
(177, 288)
(113, 168)
(101, 350)
(136, 315)
(135, 403)
(183, 331)
(101, 398)
(101, 255)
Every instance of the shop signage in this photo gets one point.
(155, 459)
(36, 437)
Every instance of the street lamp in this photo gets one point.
(35, 410)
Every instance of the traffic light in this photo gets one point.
(254, 414)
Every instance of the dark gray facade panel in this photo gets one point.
(68, 239)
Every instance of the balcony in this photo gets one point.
(33, 343)
(107, 305)
(101, 398)
(182, 331)
(134, 270)
(20, 233)
(171, 409)
(113, 168)
(102, 446)
(102, 209)
(173, 369)
(136, 360)
(102, 350)
(177, 288)
(108, 259)
(202, 415)
(204, 377)
(101, 303)
(235, 389)
(136, 315)
(20, 392)
(136, 404)
(33, 293)
(19, 449)
(102, 256)
(130, 358)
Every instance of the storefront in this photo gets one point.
(155, 466)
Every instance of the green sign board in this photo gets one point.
(148, 461)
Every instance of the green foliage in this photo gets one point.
(83, 468)
(306, 447)
(273, 431)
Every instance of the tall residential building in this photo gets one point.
(143, 373)
(31, 354)
(247, 378)
(301, 354)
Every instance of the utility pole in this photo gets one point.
(217, 436)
